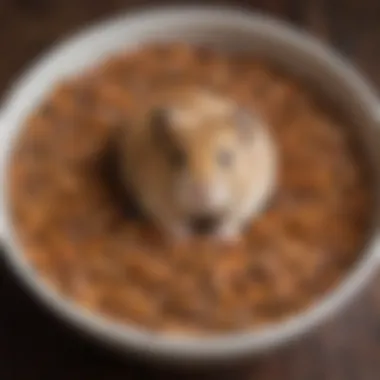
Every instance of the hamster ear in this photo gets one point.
(245, 124)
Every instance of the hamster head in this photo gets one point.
(209, 155)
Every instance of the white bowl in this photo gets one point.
(223, 28)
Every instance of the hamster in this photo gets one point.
(199, 163)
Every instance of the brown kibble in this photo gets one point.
(79, 235)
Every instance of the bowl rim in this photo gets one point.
(221, 347)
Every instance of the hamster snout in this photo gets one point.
(204, 224)
(203, 197)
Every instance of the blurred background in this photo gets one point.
(35, 347)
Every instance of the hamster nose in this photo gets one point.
(200, 194)
(203, 224)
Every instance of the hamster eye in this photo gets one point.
(225, 158)
(178, 159)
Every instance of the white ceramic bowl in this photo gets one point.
(227, 29)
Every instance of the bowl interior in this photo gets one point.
(222, 29)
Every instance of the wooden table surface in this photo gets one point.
(33, 346)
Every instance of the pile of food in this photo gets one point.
(87, 239)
